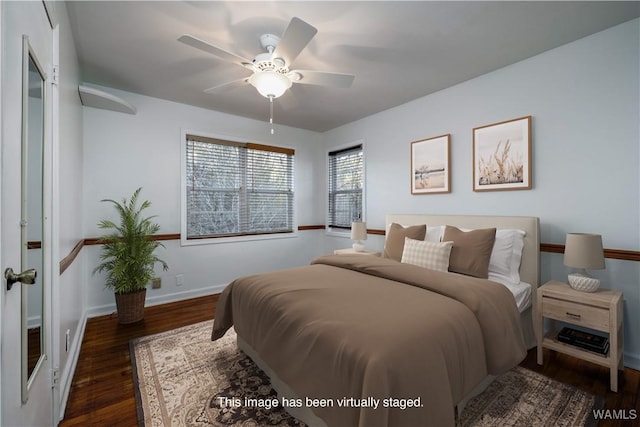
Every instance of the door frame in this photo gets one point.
(51, 193)
(2, 294)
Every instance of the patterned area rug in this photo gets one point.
(524, 398)
(182, 378)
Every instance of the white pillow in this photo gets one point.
(434, 233)
(432, 255)
(506, 255)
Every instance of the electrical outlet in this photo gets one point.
(179, 280)
(156, 283)
(67, 336)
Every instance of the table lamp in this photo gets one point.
(584, 251)
(358, 233)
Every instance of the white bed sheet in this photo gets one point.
(521, 292)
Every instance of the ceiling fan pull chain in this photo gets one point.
(271, 113)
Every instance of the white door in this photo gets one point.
(25, 25)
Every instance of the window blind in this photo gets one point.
(345, 187)
(236, 189)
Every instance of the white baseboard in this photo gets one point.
(179, 296)
(66, 377)
(160, 299)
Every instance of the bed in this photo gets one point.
(367, 341)
(529, 270)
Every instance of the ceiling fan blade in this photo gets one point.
(321, 78)
(297, 35)
(214, 50)
(228, 86)
(288, 100)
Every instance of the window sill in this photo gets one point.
(237, 239)
(346, 234)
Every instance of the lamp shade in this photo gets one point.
(584, 251)
(358, 230)
(270, 84)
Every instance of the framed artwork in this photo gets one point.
(502, 156)
(430, 165)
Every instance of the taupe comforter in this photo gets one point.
(366, 327)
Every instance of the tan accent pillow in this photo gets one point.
(432, 255)
(471, 250)
(394, 245)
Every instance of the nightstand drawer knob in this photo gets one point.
(574, 316)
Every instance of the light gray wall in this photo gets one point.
(584, 98)
(123, 152)
(71, 286)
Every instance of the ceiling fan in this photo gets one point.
(272, 73)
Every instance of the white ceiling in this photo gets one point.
(398, 51)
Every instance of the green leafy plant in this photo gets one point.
(128, 251)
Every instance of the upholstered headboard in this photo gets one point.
(530, 264)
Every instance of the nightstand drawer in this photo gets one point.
(577, 314)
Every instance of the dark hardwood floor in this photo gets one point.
(102, 389)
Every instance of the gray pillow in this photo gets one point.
(471, 250)
(394, 245)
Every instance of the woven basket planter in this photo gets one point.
(131, 306)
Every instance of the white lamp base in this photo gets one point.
(358, 247)
(583, 283)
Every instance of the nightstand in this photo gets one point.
(353, 252)
(601, 310)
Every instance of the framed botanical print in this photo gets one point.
(430, 165)
(502, 156)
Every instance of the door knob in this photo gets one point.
(27, 277)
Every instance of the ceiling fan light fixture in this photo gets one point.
(295, 76)
(270, 84)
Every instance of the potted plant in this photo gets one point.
(128, 256)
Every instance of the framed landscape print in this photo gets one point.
(430, 165)
(502, 156)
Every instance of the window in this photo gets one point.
(345, 187)
(236, 189)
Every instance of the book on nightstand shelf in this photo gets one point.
(586, 340)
